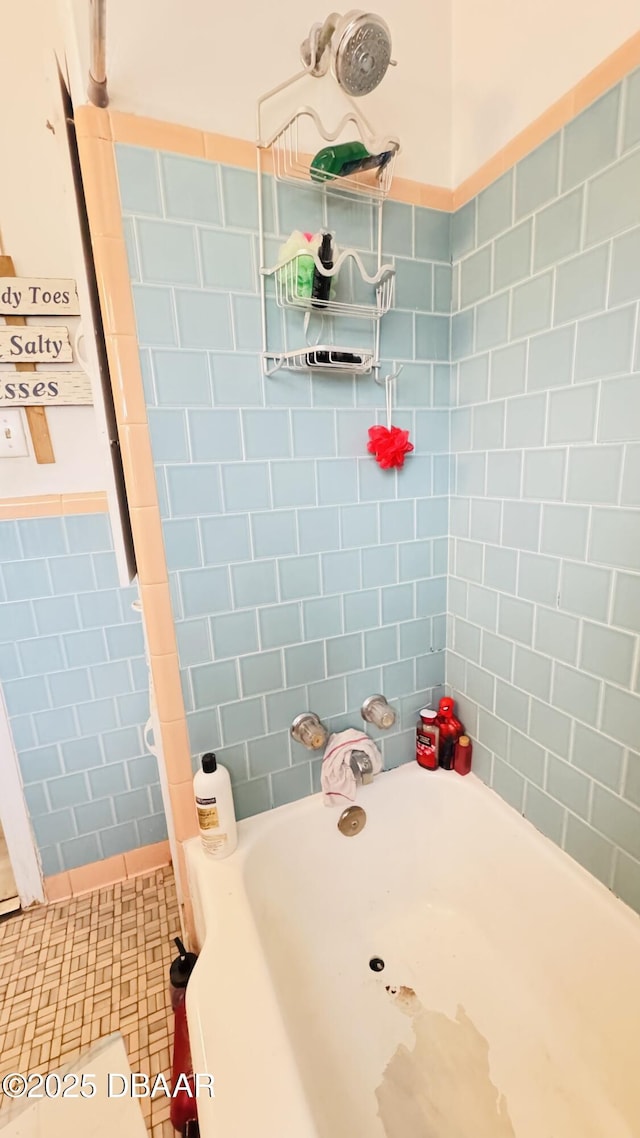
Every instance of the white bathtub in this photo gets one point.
(514, 1006)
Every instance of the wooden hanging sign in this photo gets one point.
(38, 296)
(44, 389)
(35, 345)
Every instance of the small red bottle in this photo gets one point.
(427, 739)
(450, 731)
(462, 755)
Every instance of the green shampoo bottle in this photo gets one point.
(345, 158)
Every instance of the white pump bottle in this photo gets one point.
(214, 804)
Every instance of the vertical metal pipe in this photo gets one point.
(97, 89)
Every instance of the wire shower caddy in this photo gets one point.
(283, 154)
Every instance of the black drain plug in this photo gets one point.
(376, 964)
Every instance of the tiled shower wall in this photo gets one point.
(544, 592)
(302, 575)
(76, 687)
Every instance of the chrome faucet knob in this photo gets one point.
(308, 730)
(378, 711)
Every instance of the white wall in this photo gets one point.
(514, 58)
(36, 213)
(204, 65)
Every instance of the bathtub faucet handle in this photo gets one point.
(308, 730)
(377, 710)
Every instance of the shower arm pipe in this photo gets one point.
(97, 88)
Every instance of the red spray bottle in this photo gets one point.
(184, 1111)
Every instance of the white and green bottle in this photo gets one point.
(214, 804)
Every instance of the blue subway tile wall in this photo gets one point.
(295, 562)
(544, 596)
(302, 575)
(75, 684)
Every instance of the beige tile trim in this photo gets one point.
(96, 130)
(421, 193)
(99, 874)
(90, 503)
(120, 126)
(533, 135)
(51, 505)
(614, 68)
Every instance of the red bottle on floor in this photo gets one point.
(184, 1110)
(462, 755)
(450, 731)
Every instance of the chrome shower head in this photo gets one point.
(358, 45)
(362, 52)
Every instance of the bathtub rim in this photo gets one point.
(253, 829)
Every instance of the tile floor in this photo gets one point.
(75, 971)
(8, 894)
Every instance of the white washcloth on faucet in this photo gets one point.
(338, 780)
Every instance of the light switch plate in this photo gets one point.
(13, 441)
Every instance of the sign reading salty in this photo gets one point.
(44, 389)
(34, 345)
(31, 296)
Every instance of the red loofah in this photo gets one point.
(389, 445)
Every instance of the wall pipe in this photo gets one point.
(97, 89)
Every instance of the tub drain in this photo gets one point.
(376, 964)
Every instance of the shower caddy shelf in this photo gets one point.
(291, 163)
(309, 359)
(285, 277)
(282, 154)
